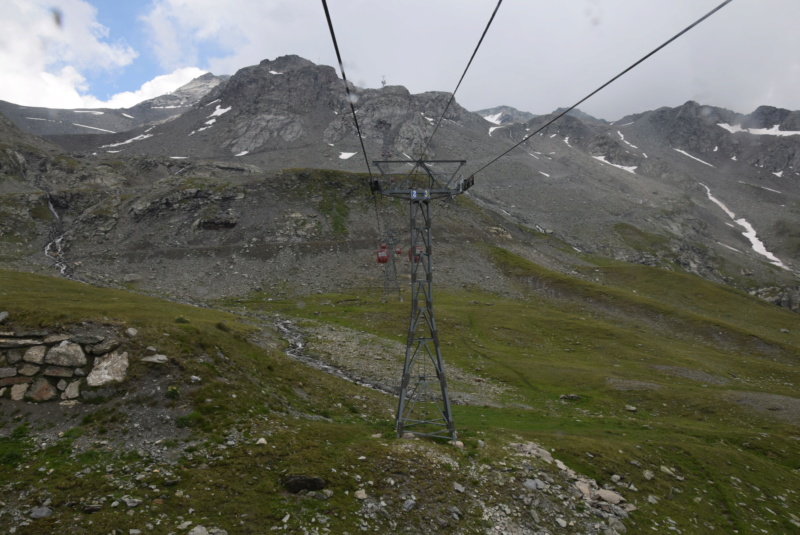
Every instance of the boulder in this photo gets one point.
(41, 512)
(86, 339)
(18, 391)
(156, 359)
(8, 343)
(104, 347)
(108, 369)
(41, 390)
(66, 354)
(296, 483)
(14, 380)
(13, 356)
(57, 371)
(35, 354)
(28, 369)
(585, 488)
(609, 496)
(72, 391)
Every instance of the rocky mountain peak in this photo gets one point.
(185, 96)
(769, 116)
(505, 115)
(286, 63)
(287, 84)
(199, 87)
(583, 116)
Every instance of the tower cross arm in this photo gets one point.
(430, 179)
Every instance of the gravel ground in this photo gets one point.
(380, 361)
(783, 407)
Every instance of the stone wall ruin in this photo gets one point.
(42, 366)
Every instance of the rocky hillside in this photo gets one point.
(694, 188)
(88, 122)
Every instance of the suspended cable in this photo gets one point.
(560, 115)
(347, 87)
(355, 118)
(453, 95)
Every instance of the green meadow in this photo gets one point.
(685, 390)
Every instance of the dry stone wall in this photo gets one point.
(43, 366)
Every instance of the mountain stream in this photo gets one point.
(55, 247)
(296, 351)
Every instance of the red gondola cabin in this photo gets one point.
(414, 257)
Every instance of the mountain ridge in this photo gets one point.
(675, 173)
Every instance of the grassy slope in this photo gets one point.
(736, 468)
(692, 346)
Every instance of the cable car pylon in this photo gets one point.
(424, 402)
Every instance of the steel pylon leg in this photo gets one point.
(424, 404)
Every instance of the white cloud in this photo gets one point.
(160, 85)
(43, 56)
(227, 37)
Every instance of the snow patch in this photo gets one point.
(692, 157)
(630, 169)
(566, 140)
(210, 103)
(758, 131)
(89, 111)
(219, 111)
(543, 173)
(128, 116)
(778, 174)
(131, 140)
(492, 129)
(626, 142)
(94, 128)
(762, 187)
(346, 155)
(749, 232)
(494, 118)
(275, 72)
(178, 157)
(729, 247)
(242, 153)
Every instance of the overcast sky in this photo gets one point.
(538, 55)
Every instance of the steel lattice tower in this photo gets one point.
(424, 402)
